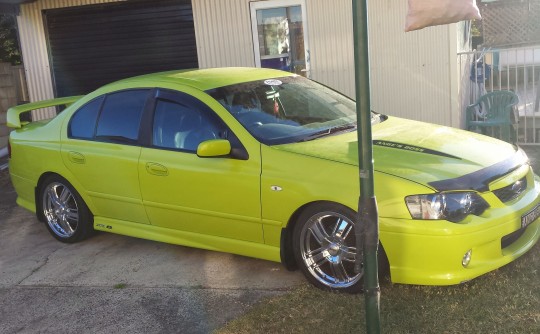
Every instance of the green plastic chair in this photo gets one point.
(494, 111)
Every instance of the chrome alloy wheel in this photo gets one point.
(60, 209)
(328, 249)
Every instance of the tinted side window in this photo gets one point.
(120, 117)
(180, 127)
(83, 122)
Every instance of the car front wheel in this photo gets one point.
(66, 215)
(325, 247)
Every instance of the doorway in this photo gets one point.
(280, 35)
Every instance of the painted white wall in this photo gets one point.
(223, 33)
(414, 74)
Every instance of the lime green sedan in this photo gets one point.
(264, 163)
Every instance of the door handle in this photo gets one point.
(76, 157)
(156, 169)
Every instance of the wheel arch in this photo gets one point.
(37, 191)
(286, 244)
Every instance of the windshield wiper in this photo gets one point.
(329, 131)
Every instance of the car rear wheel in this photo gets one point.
(325, 247)
(66, 215)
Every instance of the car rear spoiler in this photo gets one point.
(14, 113)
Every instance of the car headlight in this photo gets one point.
(453, 207)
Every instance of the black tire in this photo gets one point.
(324, 245)
(66, 216)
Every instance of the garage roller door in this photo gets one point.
(93, 45)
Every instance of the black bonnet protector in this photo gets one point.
(481, 179)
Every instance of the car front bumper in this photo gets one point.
(431, 252)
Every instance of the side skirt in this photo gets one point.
(190, 239)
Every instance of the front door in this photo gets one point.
(214, 196)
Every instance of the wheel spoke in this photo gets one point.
(336, 226)
(318, 231)
(349, 254)
(53, 196)
(316, 266)
(64, 224)
(339, 273)
(69, 227)
(72, 214)
(65, 194)
(317, 255)
(343, 228)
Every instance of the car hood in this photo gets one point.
(423, 153)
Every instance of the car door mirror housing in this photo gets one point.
(214, 148)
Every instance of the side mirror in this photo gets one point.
(214, 148)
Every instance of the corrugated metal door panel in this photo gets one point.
(94, 45)
(34, 49)
(331, 43)
(223, 30)
(412, 74)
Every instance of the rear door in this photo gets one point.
(102, 153)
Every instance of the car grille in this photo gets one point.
(512, 191)
(509, 239)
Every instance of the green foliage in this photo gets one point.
(476, 29)
(9, 46)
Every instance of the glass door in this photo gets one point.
(279, 35)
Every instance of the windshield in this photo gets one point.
(288, 109)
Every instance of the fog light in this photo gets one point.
(466, 258)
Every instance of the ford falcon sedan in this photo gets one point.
(264, 163)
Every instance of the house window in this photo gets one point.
(280, 35)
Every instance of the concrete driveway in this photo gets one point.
(112, 283)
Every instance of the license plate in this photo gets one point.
(530, 216)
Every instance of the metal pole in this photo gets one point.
(367, 235)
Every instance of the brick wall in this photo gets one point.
(8, 98)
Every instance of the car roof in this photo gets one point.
(205, 79)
